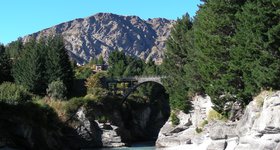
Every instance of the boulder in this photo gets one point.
(202, 105)
(269, 120)
(185, 133)
(221, 130)
(98, 134)
(217, 145)
(231, 143)
(251, 143)
(257, 129)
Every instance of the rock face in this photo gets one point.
(110, 124)
(185, 132)
(104, 32)
(29, 126)
(98, 134)
(258, 128)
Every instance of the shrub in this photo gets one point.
(198, 130)
(102, 119)
(203, 123)
(214, 115)
(73, 105)
(57, 106)
(13, 94)
(36, 115)
(83, 72)
(57, 90)
(261, 97)
(96, 85)
(174, 119)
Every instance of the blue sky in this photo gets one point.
(22, 17)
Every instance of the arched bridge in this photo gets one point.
(141, 79)
(129, 84)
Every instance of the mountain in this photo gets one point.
(103, 33)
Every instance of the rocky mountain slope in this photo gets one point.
(104, 32)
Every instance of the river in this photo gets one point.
(136, 146)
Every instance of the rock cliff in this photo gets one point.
(258, 128)
(104, 32)
(111, 124)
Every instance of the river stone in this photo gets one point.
(178, 129)
(231, 143)
(251, 143)
(278, 146)
(217, 145)
(221, 130)
(172, 141)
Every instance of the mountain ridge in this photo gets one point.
(102, 33)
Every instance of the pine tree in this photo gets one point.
(29, 69)
(93, 61)
(118, 63)
(5, 65)
(134, 68)
(214, 28)
(255, 58)
(58, 65)
(151, 69)
(14, 48)
(100, 60)
(179, 45)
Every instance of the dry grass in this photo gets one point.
(58, 106)
(214, 115)
(203, 123)
(261, 97)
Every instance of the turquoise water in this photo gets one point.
(136, 146)
(130, 148)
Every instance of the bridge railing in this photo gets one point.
(139, 77)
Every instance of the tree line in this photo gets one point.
(122, 65)
(230, 50)
(36, 64)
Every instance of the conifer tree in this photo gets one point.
(5, 65)
(134, 68)
(118, 63)
(177, 55)
(41, 63)
(214, 28)
(58, 65)
(150, 68)
(14, 48)
(255, 58)
(100, 60)
(29, 69)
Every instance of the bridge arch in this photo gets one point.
(133, 88)
(145, 119)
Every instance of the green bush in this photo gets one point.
(198, 130)
(13, 94)
(214, 115)
(96, 85)
(174, 119)
(102, 119)
(203, 123)
(57, 90)
(37, 115)
(73, 105)
(83, 72)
